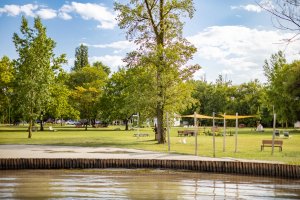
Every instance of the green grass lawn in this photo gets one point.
(248, 141)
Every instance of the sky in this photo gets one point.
(232, 37)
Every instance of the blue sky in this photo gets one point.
(233, 37)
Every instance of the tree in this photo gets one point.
(292, 86)
(276, 72)
(286, 15)
(155, 25)
(87, 86)
(100, 65)
(7, 75)
(81, 57)
(60, 99)
(116, 102)
(34, 69)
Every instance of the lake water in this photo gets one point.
(140, 184)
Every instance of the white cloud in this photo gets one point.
(90, 11)
(249, 7)
(87, 11)
(254, 7)
(238, 50)
(120, 45)
(46, 13)
(64, 12)
(112, 61)
(14, 10)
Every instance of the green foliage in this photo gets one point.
(34, 69)
(60, 106)
(282, 87)
(7, 75)
(100, 66)
(156, 26)
(87, 86)
(223, 97)
(81, 57)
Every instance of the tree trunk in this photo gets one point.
(41, 125)
(160, 126)
(126, 124)
(30, 129)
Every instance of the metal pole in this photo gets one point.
(214, 139)
(224, 133)
(273, 138)
(236, 130)
(196, 133)
(168, 132)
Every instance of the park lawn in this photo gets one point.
(248, 141)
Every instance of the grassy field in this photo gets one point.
(249, 141)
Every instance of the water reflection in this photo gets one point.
(140, 184)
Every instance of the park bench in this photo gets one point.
(141, 135)
(268, 143)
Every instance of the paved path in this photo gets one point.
(45, 151)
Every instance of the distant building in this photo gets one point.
(297, 124)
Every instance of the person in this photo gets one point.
(155, 129)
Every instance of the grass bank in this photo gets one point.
(249, 141)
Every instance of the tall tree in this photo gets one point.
(156, 26)
(81, 57)
(34, 69)
(292, 87)
(276, 70)
(60, 105)
(7, 75)
(87, 86)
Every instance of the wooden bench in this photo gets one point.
(141, 135)
(268, 143)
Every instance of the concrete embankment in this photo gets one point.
(58, 157)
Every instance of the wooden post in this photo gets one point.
(273, 137)
(224, 133)
(196, 133)
(236, 131)
(214, 139)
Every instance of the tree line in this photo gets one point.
(155, 80)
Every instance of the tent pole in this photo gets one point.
(236, 130)
(224, 133)
(196, 133)
(214, 139)
(168, 132)
(273, 137)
